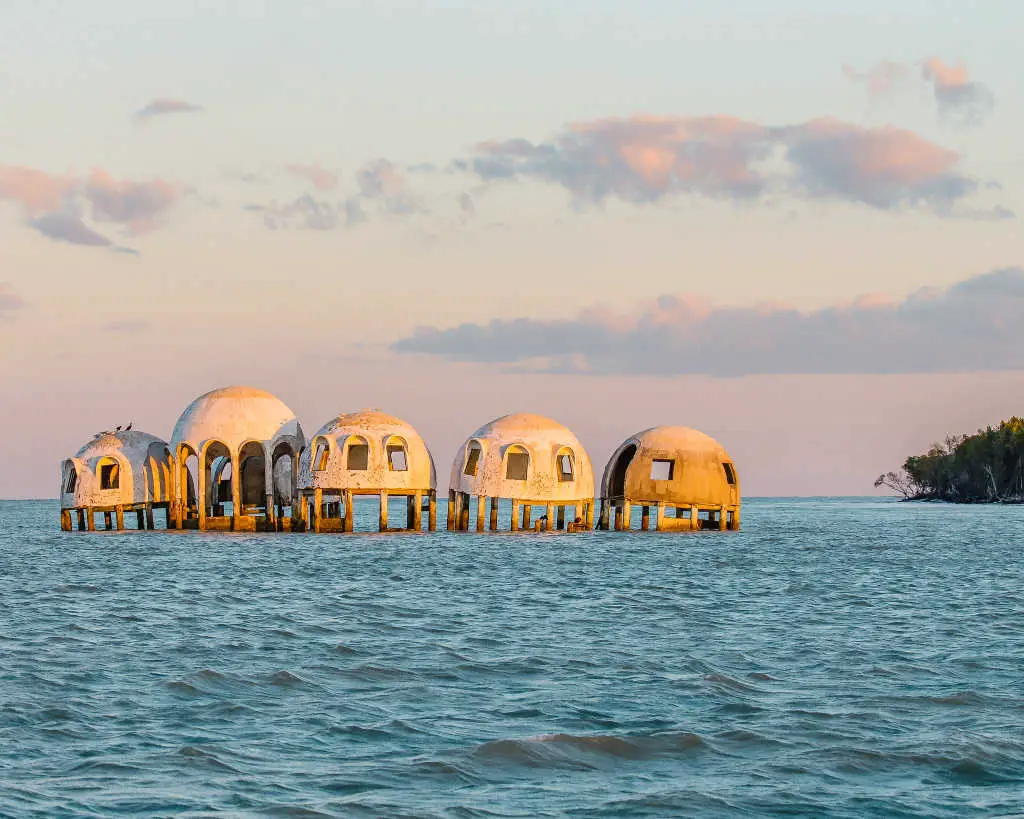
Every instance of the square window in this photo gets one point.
(662, 470)
(109, 478)
(396, 459)
(359, 457)
(472, 461)
(565, 468)
(518, 465)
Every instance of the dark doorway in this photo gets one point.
(618, 482)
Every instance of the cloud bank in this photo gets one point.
(321, 178)
(56, 206)
(166, 105)
(975, 325)
(644, 159)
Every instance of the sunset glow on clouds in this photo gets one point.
(498, 207)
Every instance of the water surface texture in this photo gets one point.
(835, 658)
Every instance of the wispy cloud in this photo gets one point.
(644, 159)
(166, 105)
(56, 205)
(9, 301)
(66, 226)
(880, 78)
(959, 99)
(321, 178)
(975, 325)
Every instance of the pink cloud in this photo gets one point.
(137, 205)
(9, 300)
(321, 178)
(166, 105)
(37, 191)
(959, 98)
(644, 159)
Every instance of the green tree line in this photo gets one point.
(987, 467)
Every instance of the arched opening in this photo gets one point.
(473, 453)
(283, 476)
(253, 475)
(108, 471)
(158, 473)
(517, 463)
(617, 484)
(219, 475)
(357, 454)
(188, 479)
(398, 455)
(730, 473)
(565, 465)
(321, 452)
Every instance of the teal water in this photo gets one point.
(847, 658)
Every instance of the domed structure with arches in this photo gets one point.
(365, 453)
(528, 459)
(687, 477)
(236, 445)
(117, 472)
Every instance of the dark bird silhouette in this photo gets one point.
(117, 428)
(130, 425)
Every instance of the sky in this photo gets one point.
(793, 225)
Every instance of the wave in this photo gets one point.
(586, 750)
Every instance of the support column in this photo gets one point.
(236, 491)
(605, 511)
(494, 514)
(383, 526)
(721, 519)
(515, 516)
(350, 512)
(618, 517)
(694, 518)
(627, 515)
(201, 495)
(645, 517)
(417, 512)
(140, 518)
(736, 519)
(659, 520)
(318, 508)
(150, 522)
(451, 510)
(65, 520)
(527, 515)
(588, 514)
(90, 517)
(481, 513)
(560, 524)
(81, 520)
(550, 525)
(108, 523)
(432, 511)
(271, 524)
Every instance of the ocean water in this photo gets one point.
(848, 658)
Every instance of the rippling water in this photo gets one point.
(835, 658)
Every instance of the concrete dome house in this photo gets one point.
(528, 459)
(237, 446)
(365, 453)
(685, 476)
(117, 472)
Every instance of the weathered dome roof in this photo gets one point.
(543, 438)
(133, 445)
(696, 469)
(416, 472)
(234, 415)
